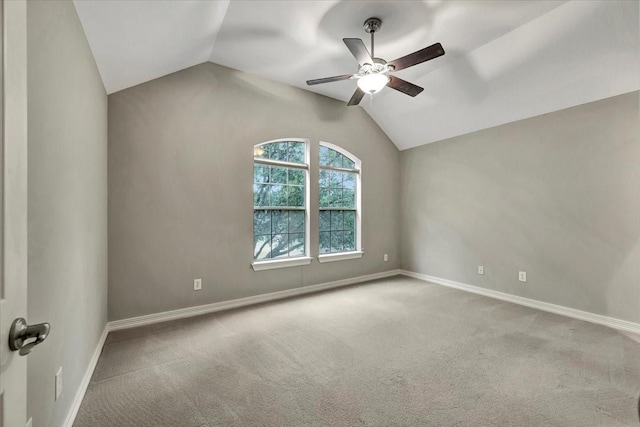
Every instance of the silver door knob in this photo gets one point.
(20, 333)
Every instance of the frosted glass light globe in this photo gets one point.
(373, 83)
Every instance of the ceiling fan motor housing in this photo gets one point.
(379, 66)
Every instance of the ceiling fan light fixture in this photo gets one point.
(372, 76)
(373, 83)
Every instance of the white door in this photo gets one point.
(13, 259)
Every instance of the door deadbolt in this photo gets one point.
(20, 333)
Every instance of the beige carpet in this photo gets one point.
(395, 352)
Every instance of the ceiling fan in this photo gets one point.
(373, 74)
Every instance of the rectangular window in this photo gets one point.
(279, 200)
(338, 222)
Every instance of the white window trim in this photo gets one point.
(271, 264)
(340, 256)
(280, 263)
(358, 171)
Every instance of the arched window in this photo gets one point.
(280, 200)
(339, 204)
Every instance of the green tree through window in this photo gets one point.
(338, 201)
(279, 199)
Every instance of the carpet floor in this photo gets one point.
(394, 352)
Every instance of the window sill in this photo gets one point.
(280, 263)
(340, 256)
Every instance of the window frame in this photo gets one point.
(305, 259)
(359, 251)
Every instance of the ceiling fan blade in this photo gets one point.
(418, 57)
(404, 86)
(356, 98)
(329, 79)
(358, 50)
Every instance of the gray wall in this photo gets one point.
(180, 187)
(555, 195)
(67, 217)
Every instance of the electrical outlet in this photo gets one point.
(58, 383)
(386, 257)
(522, 276)
(197, 284)
(480, 269)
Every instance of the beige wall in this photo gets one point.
(180, 187)
(555, 195)
(67, 212)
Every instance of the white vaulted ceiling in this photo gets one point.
(505, 60)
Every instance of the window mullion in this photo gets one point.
(271, 162)
(337, 169)
(278, 208)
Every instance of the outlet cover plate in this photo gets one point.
(522, 276)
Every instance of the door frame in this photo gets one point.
(13, 212)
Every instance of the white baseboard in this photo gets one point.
(621, 325)
(82, 389)
(241, 302)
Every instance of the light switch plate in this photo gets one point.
(480, 269)
(58, 383)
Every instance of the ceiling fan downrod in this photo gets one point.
(372, 25)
